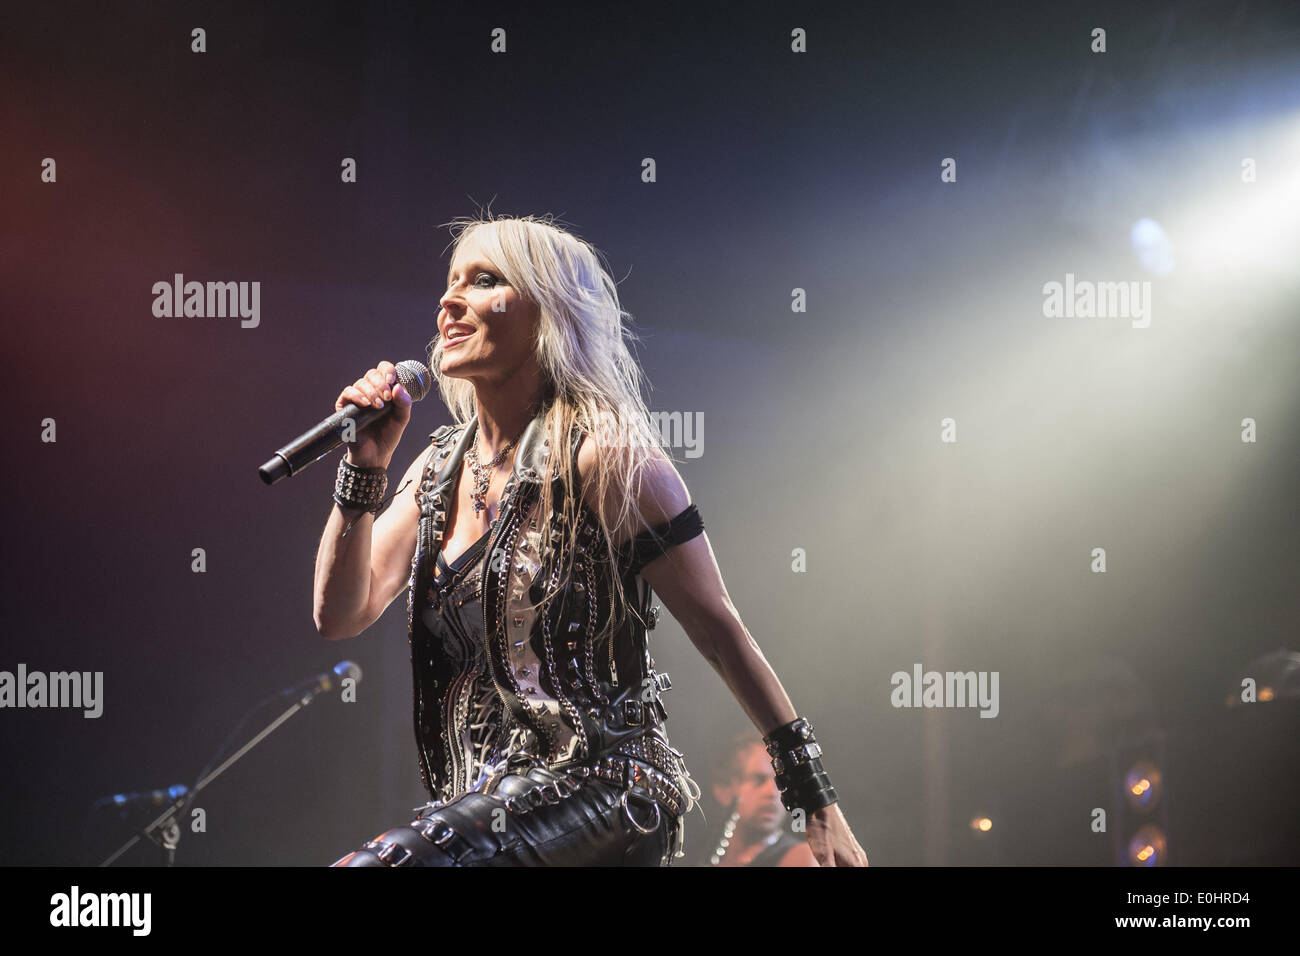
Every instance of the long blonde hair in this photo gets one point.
(592, 381)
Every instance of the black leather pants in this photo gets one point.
(536, 817)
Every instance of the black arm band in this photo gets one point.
(796, 761)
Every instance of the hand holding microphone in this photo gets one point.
(370, 416)
(375, 444)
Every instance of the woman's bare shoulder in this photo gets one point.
(662, 494)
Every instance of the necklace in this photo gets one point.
(728, 831)
(483, 473)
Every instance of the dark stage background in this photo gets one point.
(774, 171)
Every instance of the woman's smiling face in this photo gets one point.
(486, 328)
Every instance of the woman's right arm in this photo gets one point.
(358, 576)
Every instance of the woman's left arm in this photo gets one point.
(688, 580)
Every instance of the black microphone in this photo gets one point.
(312, 446)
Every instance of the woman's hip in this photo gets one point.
(609, 814)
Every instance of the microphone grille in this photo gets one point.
(348, 669)
(415, 378)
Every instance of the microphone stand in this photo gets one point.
(165, 830)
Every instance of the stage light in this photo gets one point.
(1143, 785)
(1154, 250)
(1276, 676)
(1148, 847)
(1141, 817)
(981, 824)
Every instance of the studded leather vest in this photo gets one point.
(494, 678)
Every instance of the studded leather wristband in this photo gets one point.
(360, 488)
(796, 761)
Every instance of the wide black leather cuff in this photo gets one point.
(796, 761)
